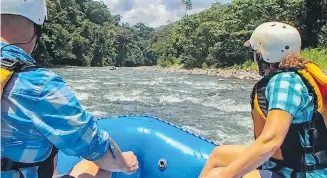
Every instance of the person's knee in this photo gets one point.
(103, 174)
(218, 152)
(253, 174)
(100, 174)
(214, 172)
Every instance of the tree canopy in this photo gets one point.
(86, 33)
(215, 37)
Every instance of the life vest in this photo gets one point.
(46, 167)
(292, 153)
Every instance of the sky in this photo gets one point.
(154, 13)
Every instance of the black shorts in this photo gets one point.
(269, 174)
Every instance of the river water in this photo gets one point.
(214, 107)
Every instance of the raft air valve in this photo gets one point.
(162, 164)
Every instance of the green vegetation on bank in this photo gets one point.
(85, 33)
(318, 56)
(214, 38)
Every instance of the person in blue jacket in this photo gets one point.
(39, 113)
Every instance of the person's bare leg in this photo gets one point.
(253, 174)
(87, 169)
(213, 172)
(222, 156)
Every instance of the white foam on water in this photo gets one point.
(238, 108)
(197, 131)
(198, 83)
(246, 122)
(227, 105)
(192, 99)
(136, 92)
(86, 81)
(177, 91)
(215, 87)
(109, 83)
(123, 98)
(82, 96)
(133, 95)
(79, 87)
(87, 107)
(69, 81)
(91, 86)
(99, 113)
(147, 83)
(218, 103)
(222, 136)
(170, 99)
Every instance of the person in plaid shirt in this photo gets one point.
(290, 134)
(39, 112)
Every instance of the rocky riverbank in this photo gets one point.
(228, 73)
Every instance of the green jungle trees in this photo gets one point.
(85, 33)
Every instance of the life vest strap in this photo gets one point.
(303, 169)
(9, 66)
(8, 164)
(45, 170)
(17, 65)
(309, 167)
(309, 149)
(310, 125)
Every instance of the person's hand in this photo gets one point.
(131, 163)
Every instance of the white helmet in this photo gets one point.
(35, 10)
(275, 40)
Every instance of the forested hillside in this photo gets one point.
(215, 37)
(85, 33)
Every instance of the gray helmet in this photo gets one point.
(35, 10)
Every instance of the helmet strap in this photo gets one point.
(272, 67)
(262, 66)
(38, 33)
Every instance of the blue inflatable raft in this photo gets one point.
(163, 150)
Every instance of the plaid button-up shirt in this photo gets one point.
(39, 111)
(286, 91)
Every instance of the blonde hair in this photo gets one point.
(293, 60)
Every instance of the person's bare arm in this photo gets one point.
(61, 118)
(124, 162)
(222, 156)
(272, 137)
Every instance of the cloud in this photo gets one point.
(154, 13)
